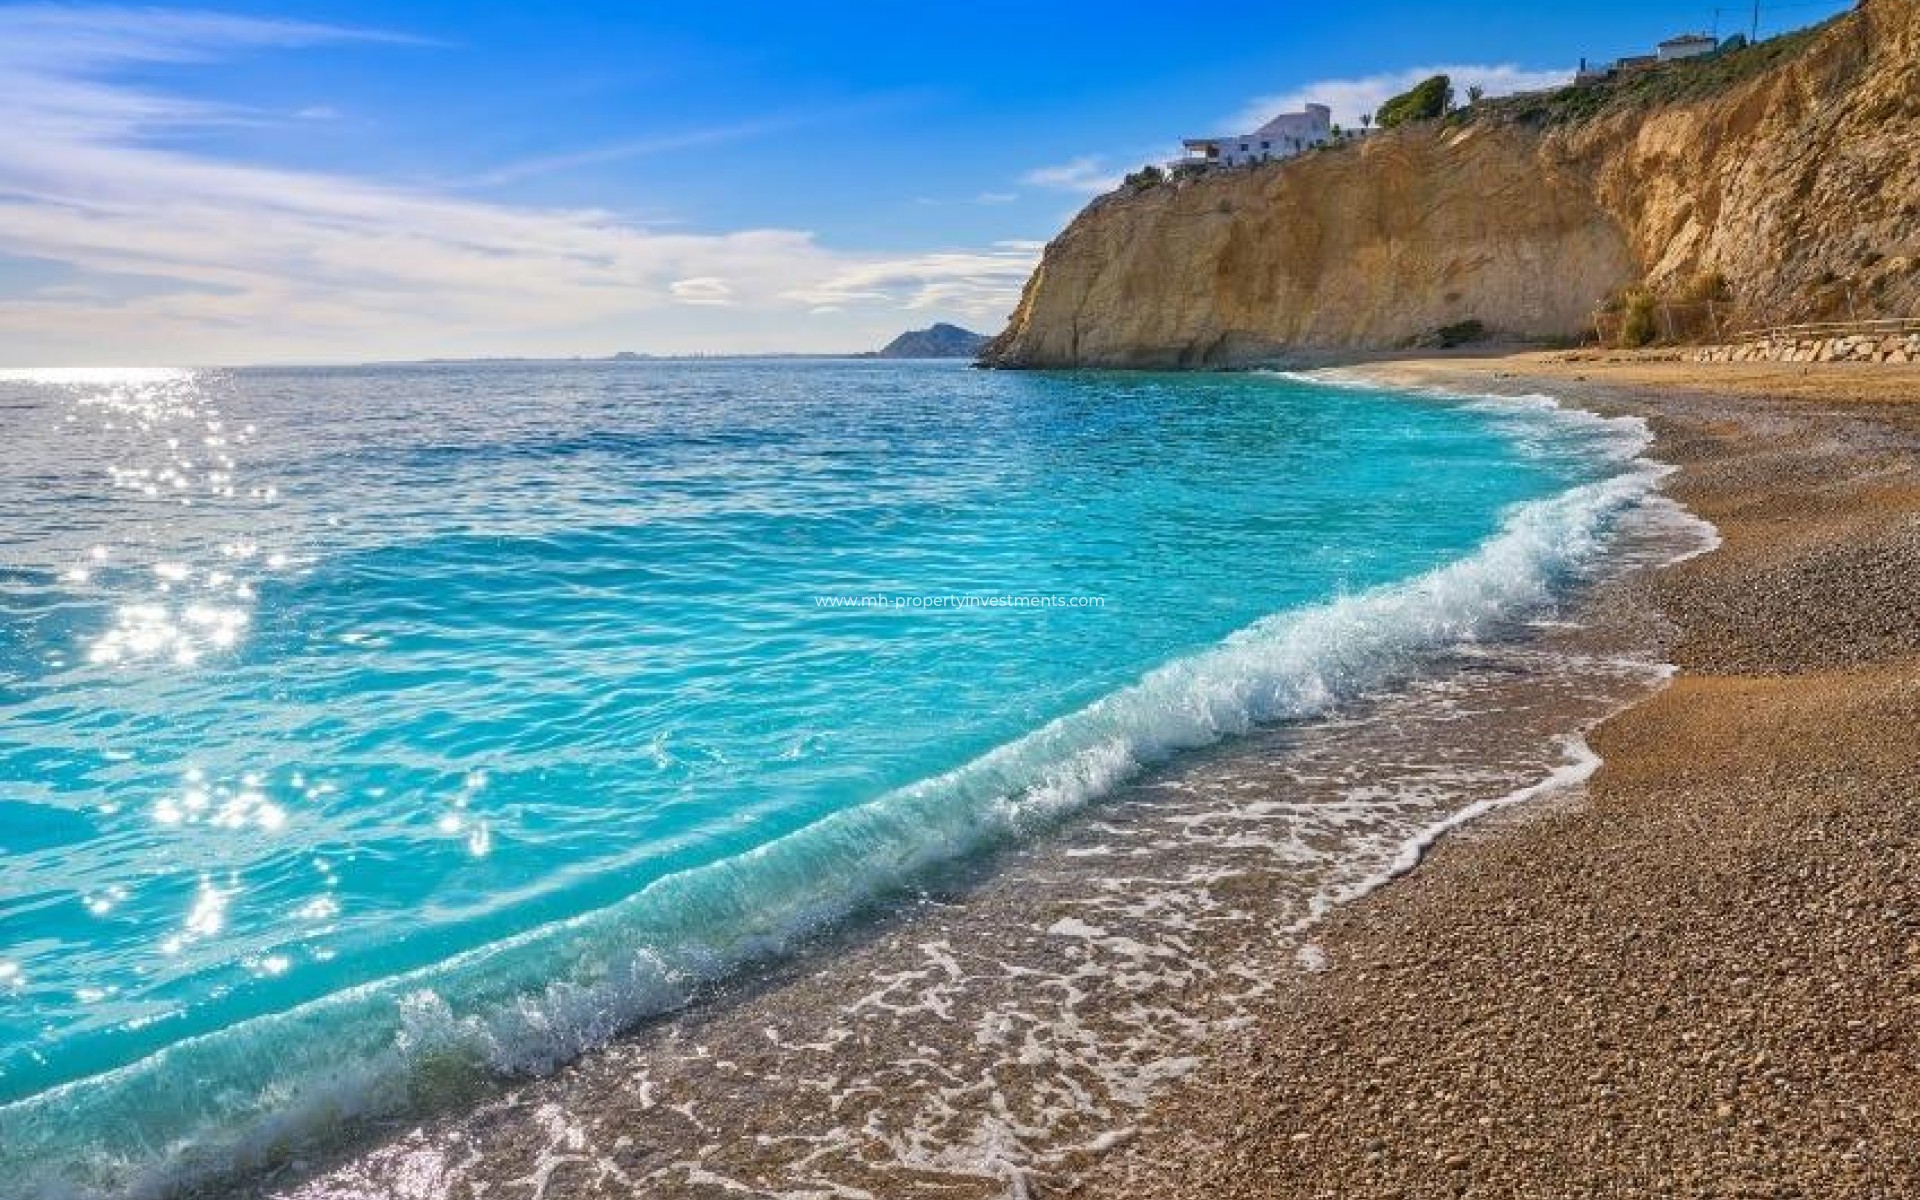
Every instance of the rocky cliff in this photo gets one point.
(1792, 169)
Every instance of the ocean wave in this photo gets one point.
(260, 1091)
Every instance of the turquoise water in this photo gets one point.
(365, 731)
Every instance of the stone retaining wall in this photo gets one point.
(1806, 348)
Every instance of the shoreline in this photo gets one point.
(1700, 977)
(1098, 1013)
(1000, 1033)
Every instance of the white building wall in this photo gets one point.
(1283, 137)
(1686, 50)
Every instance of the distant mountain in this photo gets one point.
(935, 341)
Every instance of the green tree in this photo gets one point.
(1475, 93)
(1426, 101)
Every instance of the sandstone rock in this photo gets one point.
(1373, 245)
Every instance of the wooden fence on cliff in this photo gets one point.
(1709, 322)
(1674, 321)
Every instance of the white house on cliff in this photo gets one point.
(1687, 45)
(1283, 137)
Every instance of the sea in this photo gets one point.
(385, 746)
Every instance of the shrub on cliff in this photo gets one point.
(1706, 287)
(1426, 101)
(1146, 177)
(1637, 325)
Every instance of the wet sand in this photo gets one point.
(1701, 978)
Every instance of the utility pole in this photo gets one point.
(1755, 35)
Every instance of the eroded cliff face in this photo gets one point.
(1800, 185)
(1367, 246)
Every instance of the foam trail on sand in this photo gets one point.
(1582, 763)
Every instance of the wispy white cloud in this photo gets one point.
(702, 289)
(975, 284)
(243, 261)
(982, 199)
(630, 148)
(689, 139)
(1349, 98)
(78, 39)
(1088, 174)
(547, 164)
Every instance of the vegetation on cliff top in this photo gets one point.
(1679, 82)
(1426, 100)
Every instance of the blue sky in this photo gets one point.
(345, 181)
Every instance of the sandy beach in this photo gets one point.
(1702, 976)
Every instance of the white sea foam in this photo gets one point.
(530, 1002)
(1581, 763)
